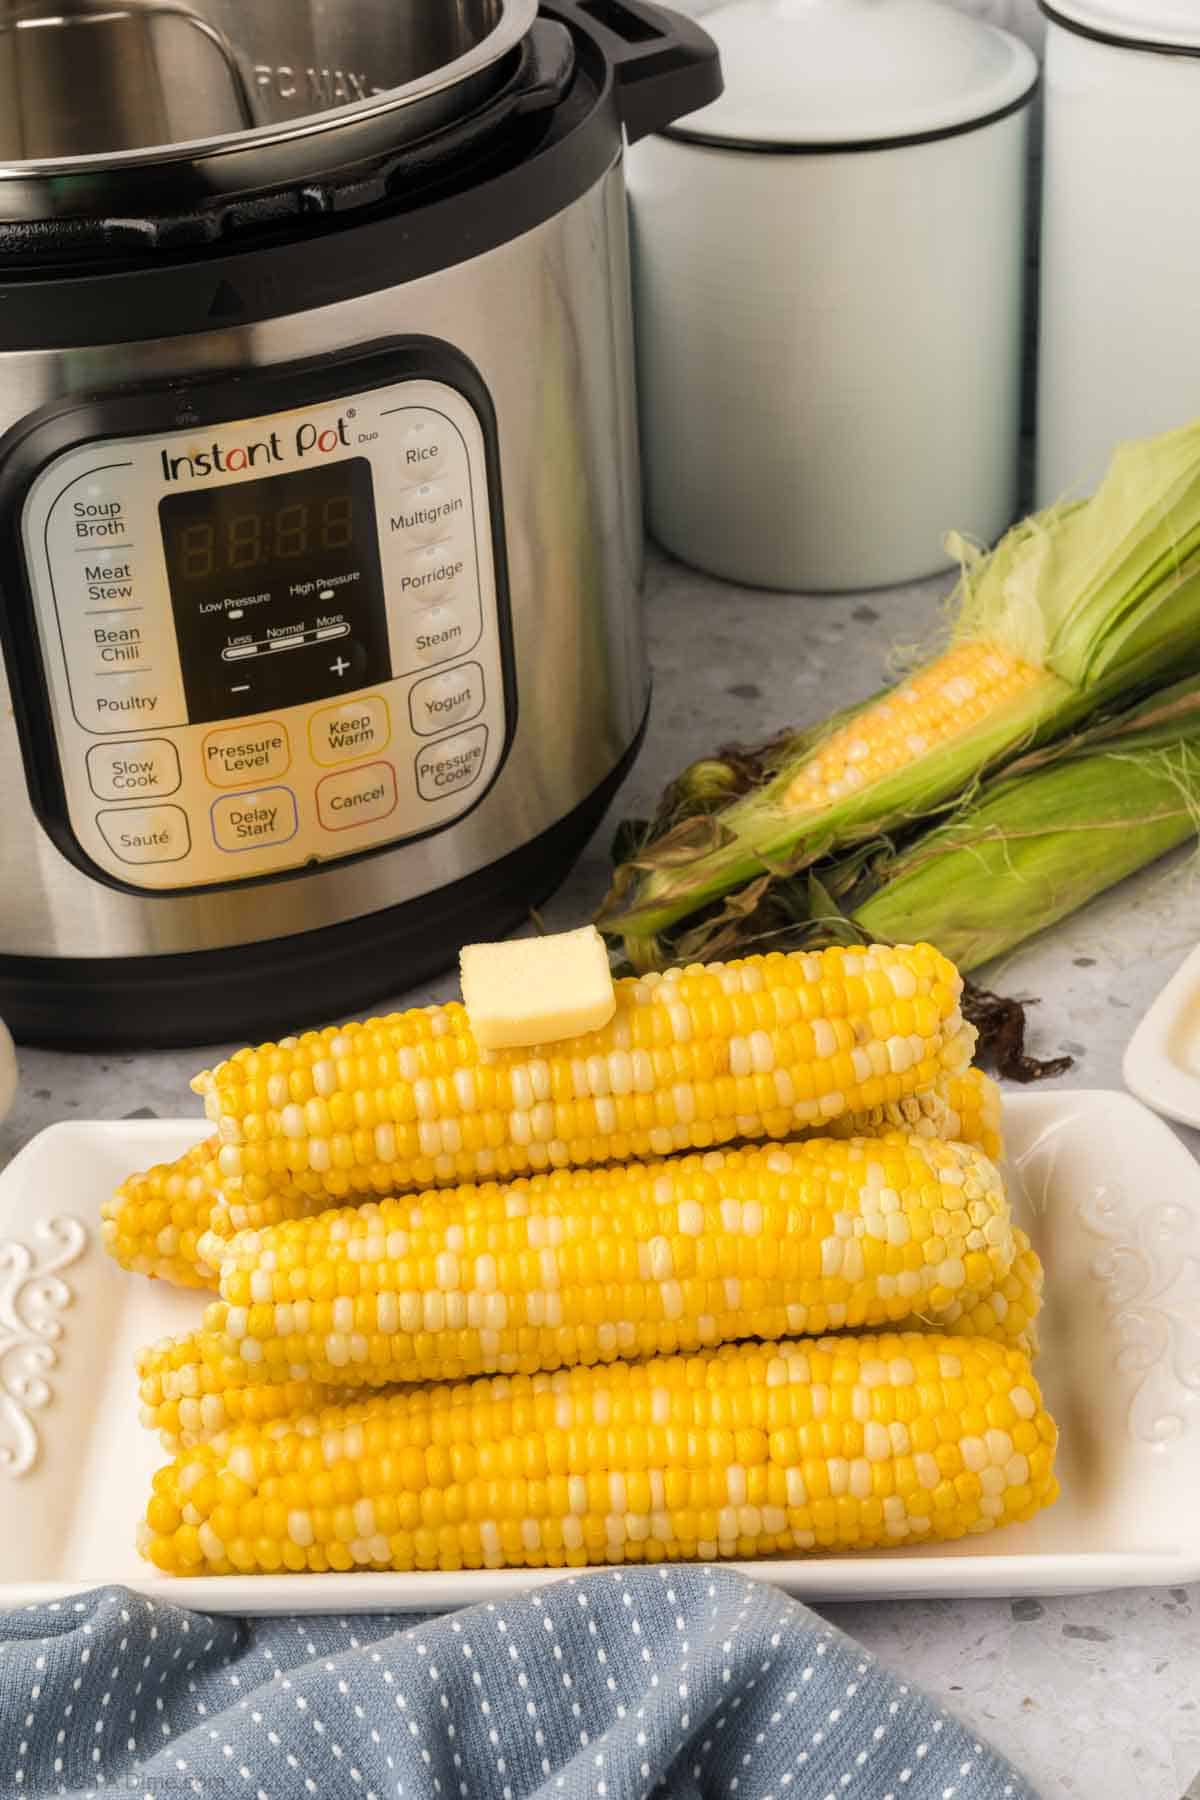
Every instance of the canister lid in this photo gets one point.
(811, 74)
(1155, 24)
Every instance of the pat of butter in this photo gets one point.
(537, 990)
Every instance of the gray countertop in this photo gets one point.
(1093, 1696)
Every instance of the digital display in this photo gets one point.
(276, 589)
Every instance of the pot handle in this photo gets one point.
(663, 64)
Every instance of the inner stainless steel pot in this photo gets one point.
(87, 85)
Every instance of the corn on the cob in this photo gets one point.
(831, 1444)
(965, 1108)
(157, 1220)
(760, 1048)
(1007, 1312)
(582, 1266)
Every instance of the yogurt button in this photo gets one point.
(440, 701)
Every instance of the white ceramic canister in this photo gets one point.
(1120, 284)
(829, 275)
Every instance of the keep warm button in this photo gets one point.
(451, 765)
(254, 821)
(356, 797)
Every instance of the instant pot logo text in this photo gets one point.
(309, 439)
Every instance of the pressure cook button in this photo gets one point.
(254, 821)
(425, 513)
(345, 733)
(440, 701)
(452, 764)
(131, 771)
(356, 797)
(258, 750)
(437, 633)
(426, 440)
(146, 834)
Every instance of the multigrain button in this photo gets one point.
(425, 513)
(134, 770)
(355, 729)
(146, 834)
(356, 797)
(254, 821)
(256, 751)
(451, 764)
(439, 701)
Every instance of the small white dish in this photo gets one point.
(1107, 1192)
(1162, 1060)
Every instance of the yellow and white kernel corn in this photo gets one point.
(585, 1265)
(1007, 1311)
(835, 1444)
(764, 1047)
(964, 1107)
(942, 702)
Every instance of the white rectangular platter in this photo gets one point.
(1109, 1195)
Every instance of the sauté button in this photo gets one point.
(345, 733)
(439, 701)
(133, 770)
(256, 820)
(256, 751)
(146, 834)
(451, 764)
(356, 797)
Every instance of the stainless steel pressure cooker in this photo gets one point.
(320, 535)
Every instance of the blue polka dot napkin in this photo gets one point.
(688, 1682)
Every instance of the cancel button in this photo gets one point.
(356, 797)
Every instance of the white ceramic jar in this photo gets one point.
(1120, 323)
(828, 287)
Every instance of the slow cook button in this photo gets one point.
(352, 730)
(357, 797)
(425, 513)
(451, 765)
(439, 701)
(256, 751)
(254, 821)
(146, 834)
(132, 771)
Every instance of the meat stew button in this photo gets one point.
(451, 764)
(356, 797)
(439, 701)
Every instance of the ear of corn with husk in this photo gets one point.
(1078, 609)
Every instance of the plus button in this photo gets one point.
(340, 666)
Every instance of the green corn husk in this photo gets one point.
(1101, 598)
(1044, 838)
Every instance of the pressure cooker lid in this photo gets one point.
(810, 74)
(239, 95)
(1139, 24)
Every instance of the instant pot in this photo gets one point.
(320, 535)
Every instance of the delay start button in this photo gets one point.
(440, 701)
(452, 764)
(254, 821)
(356, 797)
(256, 751)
